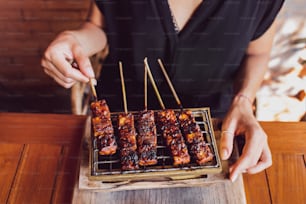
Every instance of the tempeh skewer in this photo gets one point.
(127, 134)
(173, 137)
(199, 150)
(127, 138)
(170, 129)
(146, 138)
(102, 128)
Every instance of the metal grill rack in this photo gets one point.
(107, 168)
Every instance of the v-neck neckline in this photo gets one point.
(166, 17)
(177, 29)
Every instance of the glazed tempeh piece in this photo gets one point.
(103, 128)
(146, 139)
(199, 150)
(127, 138)
(174, 139)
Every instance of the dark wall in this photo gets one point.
(26, 29)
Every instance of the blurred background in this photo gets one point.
(28, 26)
(26, 29)
(282, 95)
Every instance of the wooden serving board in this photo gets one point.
(158, 181)
(107, 168)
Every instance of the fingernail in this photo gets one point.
(234, 177)
(224, 153)
(90, 72)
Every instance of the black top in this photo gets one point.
(202, 59)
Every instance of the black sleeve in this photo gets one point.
(267, 14)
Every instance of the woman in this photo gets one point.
(216, 53)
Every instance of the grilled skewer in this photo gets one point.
(199, 150)
(127, 133)
(127, 138)
(147, 139)
(103, 128)
(173, 137)
(170, 128)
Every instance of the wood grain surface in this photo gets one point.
(285, 181)
(10, 155)
(39, 157)
(37, 171)
(39, 161)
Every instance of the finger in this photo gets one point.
(51, 68)
(83, 62)
(66, 69)
(226, 144)
(227, 139)
(242, 164)
(250, 156)
(264, 162)
(58, 80)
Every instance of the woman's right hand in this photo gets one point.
(57, 59)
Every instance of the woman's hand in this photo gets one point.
(240, 120)
(57, 61)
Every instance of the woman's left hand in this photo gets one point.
(256, 154)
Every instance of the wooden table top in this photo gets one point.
(39, 162)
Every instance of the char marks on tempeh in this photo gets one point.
(199, 150)
(172, 134)
(127, 141)
(147, 138)
(102, 128)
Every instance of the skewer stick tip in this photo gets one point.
(93, 83)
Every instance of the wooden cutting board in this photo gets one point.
(85, 183)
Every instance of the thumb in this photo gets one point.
(227, 138)
(83, 62)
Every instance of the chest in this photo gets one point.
(182, 10)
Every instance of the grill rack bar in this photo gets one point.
(110, 165)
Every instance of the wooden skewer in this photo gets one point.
(145, 88)
(92, 81)
(153, 84)
(178, 101)
(123, 88)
